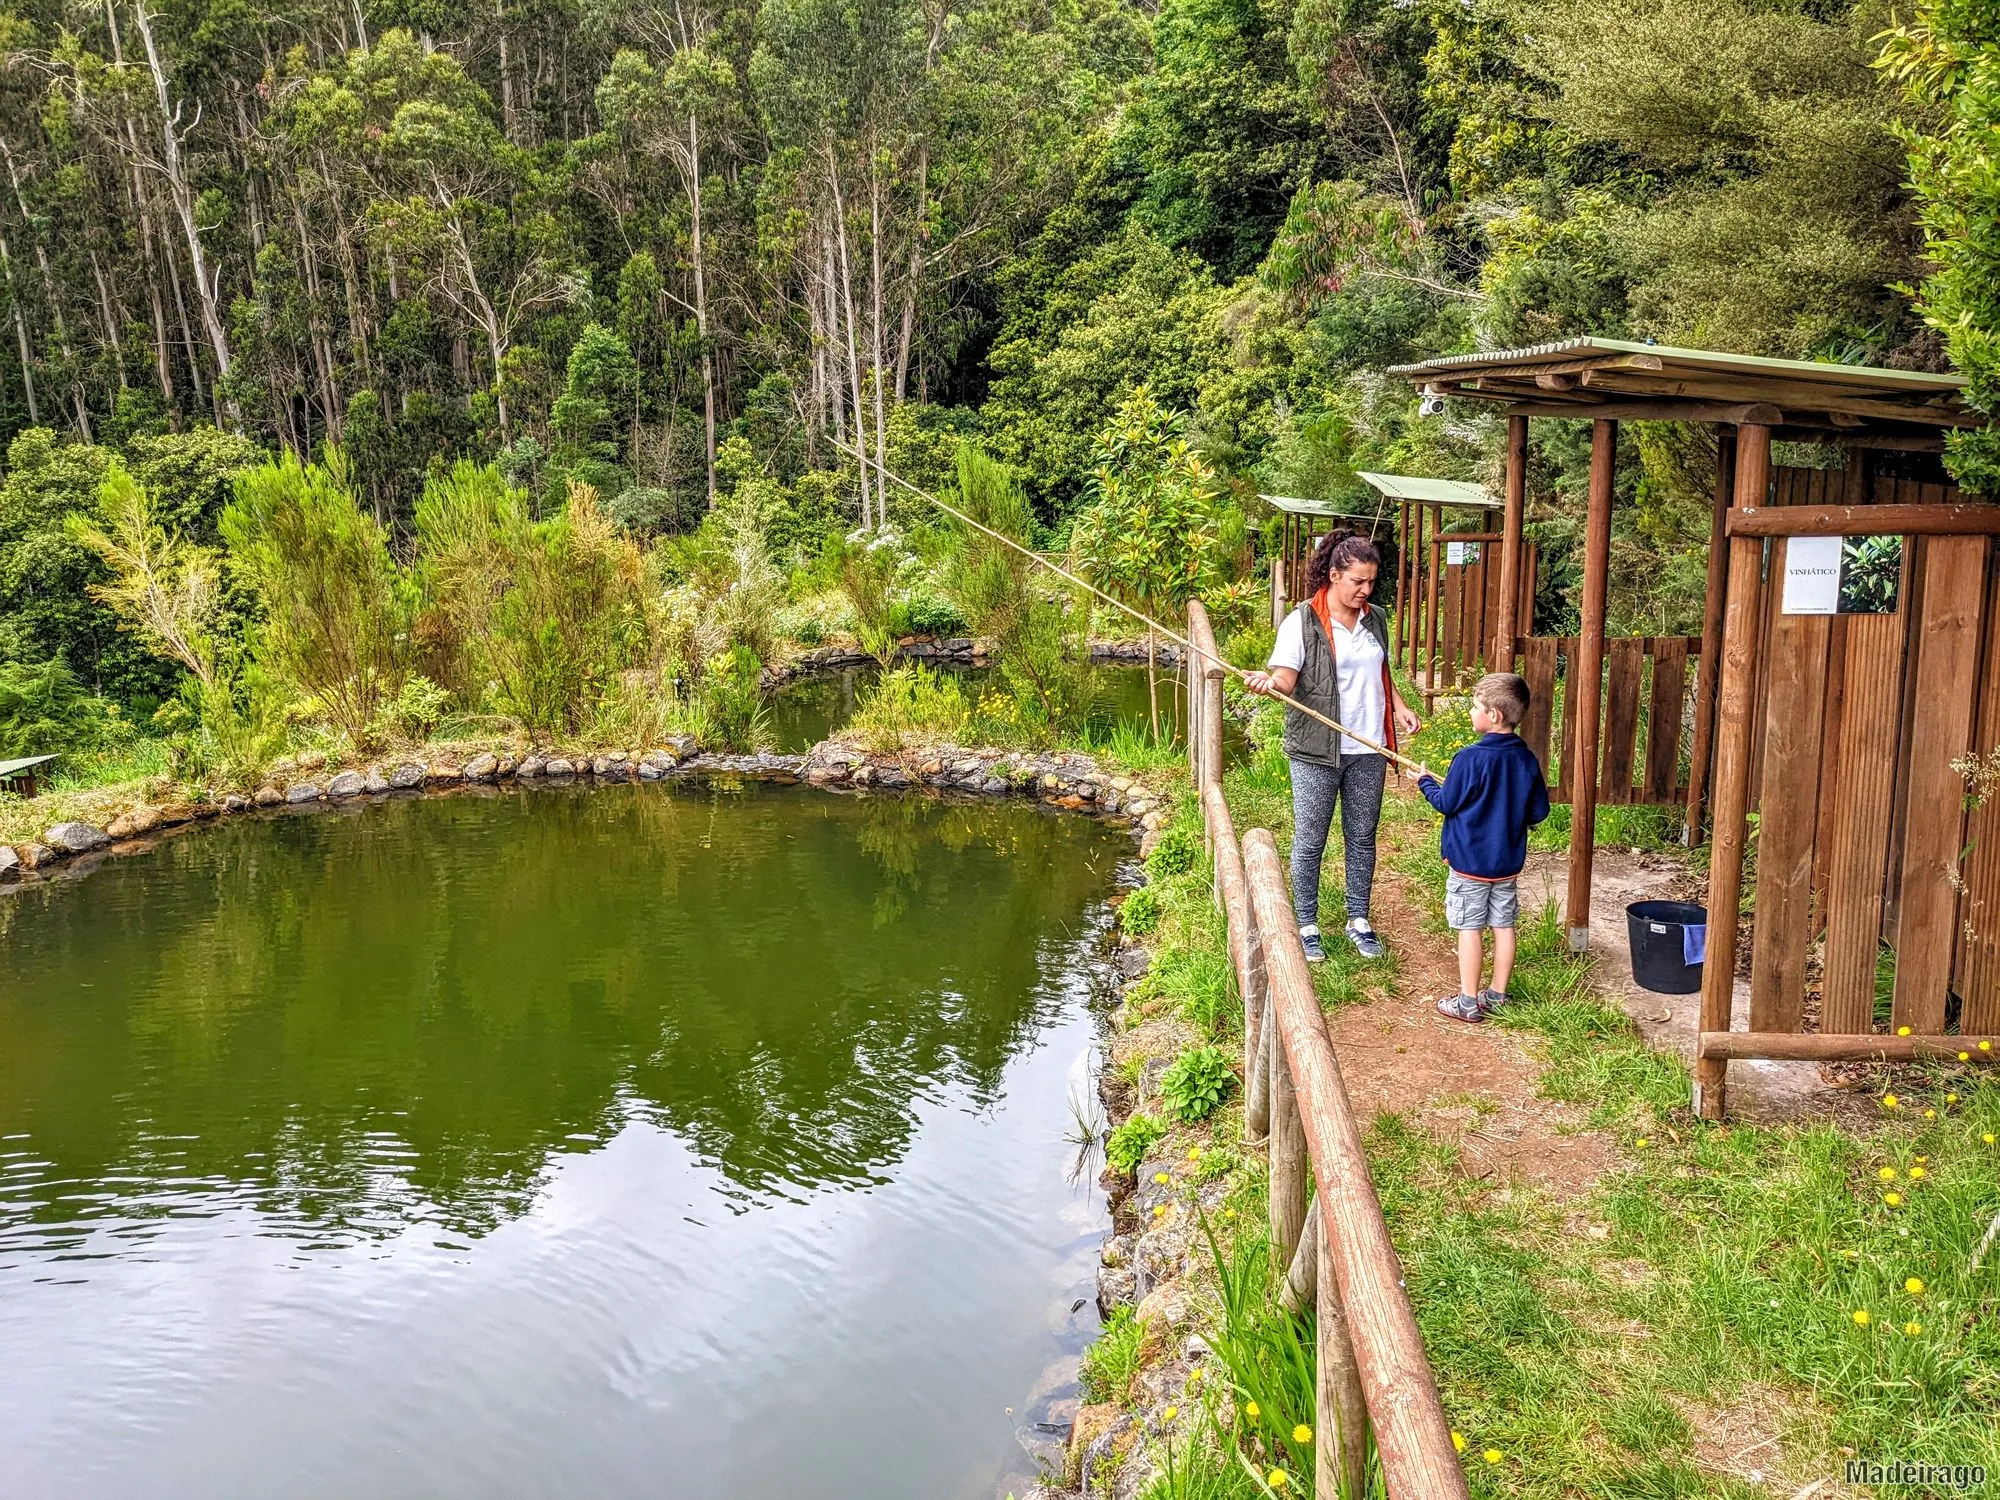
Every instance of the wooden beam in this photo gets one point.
(1641, 410)
(1413, 1439)
(1788, 395)
(1793, 1046)
(1340, 1449)
(1555, 382)
(1700, 753)
(1586, 681)
(1866, 520)
(1512, 508)
(1741, 627)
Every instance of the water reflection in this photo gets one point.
(351, 1020)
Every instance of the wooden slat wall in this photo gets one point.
(1976, 973)
(1538, 670)
(1663, 719)
(1795, 696)
(1867, 673)
(1948, 656)
(1625, 664)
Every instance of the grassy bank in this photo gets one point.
(1725, 1310)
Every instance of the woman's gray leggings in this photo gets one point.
(1356, 783)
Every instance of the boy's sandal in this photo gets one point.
(1492, 1000)
(1461, 1008)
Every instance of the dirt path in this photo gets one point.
(1476, 1087)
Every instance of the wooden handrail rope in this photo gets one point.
(1413, 1437)
(1150, 623)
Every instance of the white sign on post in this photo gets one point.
(1812, 575)
(1456, 553)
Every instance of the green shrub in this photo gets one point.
(1178, 851)
(44, 710)
(731, 700)
(911, 706)
(416, 710)
(1128, 1144)
(1195, 1083)
(1139, 913)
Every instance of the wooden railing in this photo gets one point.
(1373, 1375)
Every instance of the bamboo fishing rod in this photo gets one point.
(1151, 624)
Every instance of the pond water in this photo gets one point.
(805, 711)
(616, 1142)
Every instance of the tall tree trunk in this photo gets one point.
(181, 190)
(853, 351)
(828, 287)
(21, 334)
(907, 336)
(875, 336)
(701, 304)
(78, 404)
(187, 328)
(110, 321)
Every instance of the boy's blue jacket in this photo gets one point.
(1492, 795)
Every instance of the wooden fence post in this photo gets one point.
(1340, 1442)
(1702, 752)
(1586, 683)
(1508, 625)
(1245, 956)
(1288, 1154)
(1731, 794)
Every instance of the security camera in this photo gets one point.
(1432, 404)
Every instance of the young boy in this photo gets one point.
(1490, 798)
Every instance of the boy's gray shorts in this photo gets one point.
(1471, 905)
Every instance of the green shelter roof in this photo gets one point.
(1429, 491)
(9, 768)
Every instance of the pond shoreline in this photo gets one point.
(1066, 780)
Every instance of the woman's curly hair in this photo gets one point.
(1336, 553)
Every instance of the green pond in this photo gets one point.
(697, 1141)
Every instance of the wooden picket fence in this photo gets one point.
(1647, 718)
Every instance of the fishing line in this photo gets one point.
(1119, 604)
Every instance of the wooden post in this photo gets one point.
(1741, 627)
(1586, 682)
(1500, 657)
(1245, 955)
(1340, 1439)
(1211, 723)
(1701, 754)
(1280, 605)
(1414, 1440)
(1288, 1143)
(1431, 615)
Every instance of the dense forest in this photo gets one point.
(677, 253)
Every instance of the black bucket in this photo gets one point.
(1669, 940)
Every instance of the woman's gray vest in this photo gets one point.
(1319, 686)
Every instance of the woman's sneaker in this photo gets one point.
(1315, 950)
(1363, 937)
(1461, 1008)
(1492, 1001)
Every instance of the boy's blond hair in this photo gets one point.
(1503, 694)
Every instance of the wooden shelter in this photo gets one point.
(1447, 578)
(19, 776)
(1838, 690)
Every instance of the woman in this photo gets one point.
(1332, 654)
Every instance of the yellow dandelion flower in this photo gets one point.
(1965, 1057)
(1195, 1155)
(1930, 1114)
(1917, 1174)
(1302, 1434)
(1493, 1455)
(1987, 1137)
(1985, 1046)
(1887, 1174)
(1458, 1440)
(1894, 1200)
(1252, 1410)
(1159, 1210)
(1913, 1328)
(1194, 1377)
(1902, 1031)
(1170, 1413)
(1162, 1178)
(1951, 1098)
(1914, 1286)
(1890, 1101)
(1277, 1479)
(1860, 1316)
(1922, 1160)
(1642, 1143)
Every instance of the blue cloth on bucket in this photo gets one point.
(1694, 943)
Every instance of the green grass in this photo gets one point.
(1113, 1359)
(1590, 1342)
